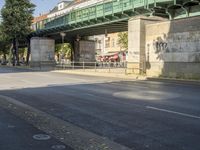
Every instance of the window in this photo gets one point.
(108, 42)
(113, 42)
(60, 6)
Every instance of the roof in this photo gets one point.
(65, 1)
(66, 4)
(40, 18)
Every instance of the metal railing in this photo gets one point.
(106, 8)
(105, 67)
(117, 67)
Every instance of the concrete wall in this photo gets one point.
(42, 52)
(85, 51)
(173, 48)
(136, 42)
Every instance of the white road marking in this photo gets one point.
(173, 112)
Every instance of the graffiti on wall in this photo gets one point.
(161, 45)
(176, 47)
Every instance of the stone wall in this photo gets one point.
(42, 52)
(173, 48)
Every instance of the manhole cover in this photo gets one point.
(58, 147)
(41, 137)
(11, 126)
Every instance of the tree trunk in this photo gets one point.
(28, 53)
(4, 57)
(17, 52)
(13, 52)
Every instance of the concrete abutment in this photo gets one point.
(160, 47)
(42, 52)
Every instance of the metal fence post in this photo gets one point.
(95, 66)
(109, 67)
(83, 66)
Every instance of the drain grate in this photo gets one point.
(41, 137)
(58, 147)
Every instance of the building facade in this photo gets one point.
(107, 45)
(39, 22)
(65, 6)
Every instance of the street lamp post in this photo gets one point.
(63, 36)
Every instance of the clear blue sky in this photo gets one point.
(42, 6)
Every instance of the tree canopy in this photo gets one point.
(123, 40)
(4, 45)
(17, 18)
(63, 50)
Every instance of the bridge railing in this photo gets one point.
(102, 10)
(96, 11)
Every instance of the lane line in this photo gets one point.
(173, 112)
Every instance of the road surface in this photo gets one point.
(141, 115)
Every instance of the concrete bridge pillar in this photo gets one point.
(42, 52)
(136, 43)
(84, 50)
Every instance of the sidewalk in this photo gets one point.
(174, 80)
(114, 73)
(17, 134)
(74, 136)
(103, 73)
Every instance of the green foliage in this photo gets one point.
(63, 50)
(17, 18)
(23, 52)
(123, 40)
(4, 45)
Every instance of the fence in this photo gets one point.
(109, 67)
(117, 67)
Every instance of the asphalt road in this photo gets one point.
(142, 115)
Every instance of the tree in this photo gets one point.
(63, 50)
(123, 40)
(4, 45)
(17, 19)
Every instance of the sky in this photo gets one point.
(42, 6)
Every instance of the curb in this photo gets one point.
(178, 81)
(100, 74)
(71, 135)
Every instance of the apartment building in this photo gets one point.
(39, 22)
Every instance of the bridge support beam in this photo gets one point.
(42, 52)
(136, 43)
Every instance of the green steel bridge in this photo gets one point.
(113, 15)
